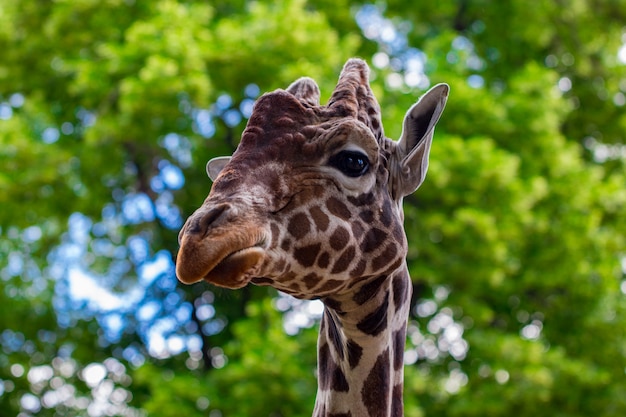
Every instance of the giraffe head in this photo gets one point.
(310, 202)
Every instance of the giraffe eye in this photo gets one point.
(351, 163)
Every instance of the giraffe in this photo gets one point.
(310, 203)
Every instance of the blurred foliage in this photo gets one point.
(110, 109)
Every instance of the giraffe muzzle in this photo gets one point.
(219, 247)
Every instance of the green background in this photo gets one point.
(109, 110)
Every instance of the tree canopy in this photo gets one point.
(110, 109)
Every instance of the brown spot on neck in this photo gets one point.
(375, 392)
(375, 322)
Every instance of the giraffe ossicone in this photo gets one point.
(310, 203)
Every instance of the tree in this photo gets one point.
(109, 111)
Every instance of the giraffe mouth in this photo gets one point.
(225, 262)
(236, 269)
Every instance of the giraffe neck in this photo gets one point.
(361, 349)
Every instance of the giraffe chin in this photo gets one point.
(237, 269)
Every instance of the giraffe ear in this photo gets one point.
(417, 135)
(215, 166)
(305, 89)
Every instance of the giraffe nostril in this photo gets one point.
(202, 221)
